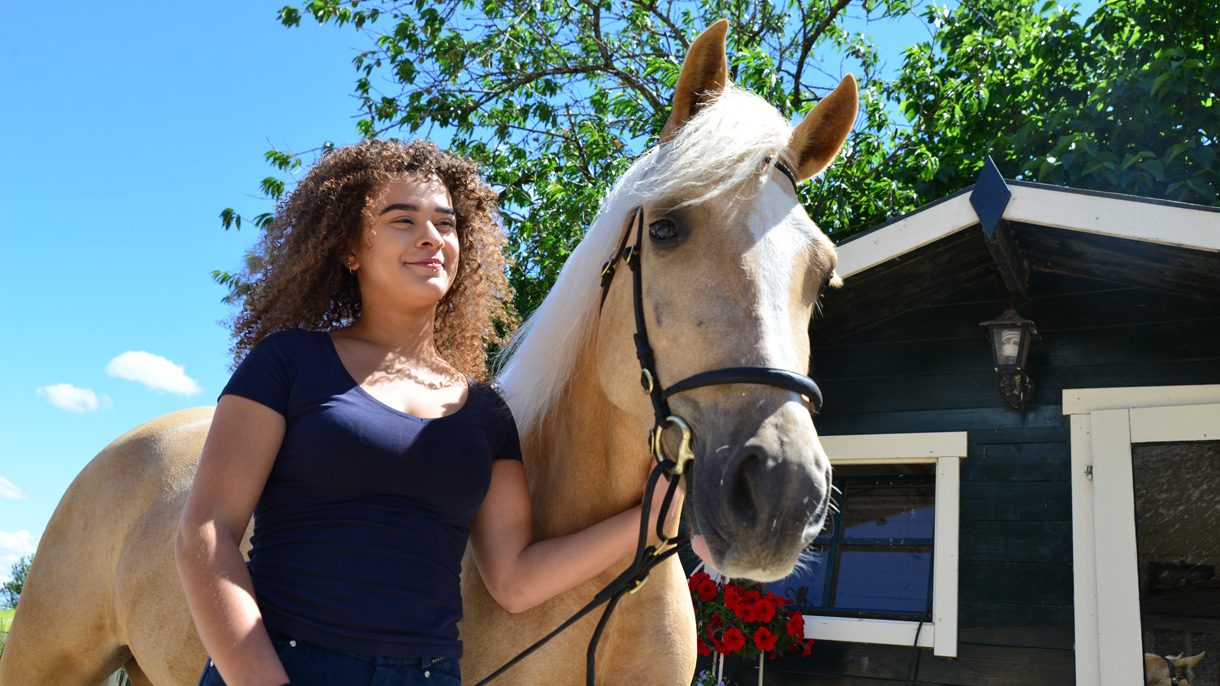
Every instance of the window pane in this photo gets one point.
(889, 510)
(807, 584)
(883, 580)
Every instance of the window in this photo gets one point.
(874, 557)
(884, 569)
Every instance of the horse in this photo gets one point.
(1170, 670)
(733, 268)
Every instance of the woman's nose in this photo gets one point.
(430, 235)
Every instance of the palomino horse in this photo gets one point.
(732, 265)
(1170, 670)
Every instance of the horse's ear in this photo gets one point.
(820, 136)
(1190, 662)
(704, 75)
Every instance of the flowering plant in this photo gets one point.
(742, 618)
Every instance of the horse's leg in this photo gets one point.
(137, 675)
(150, 604)
(150, 607)
(63, 632)
(651, 636)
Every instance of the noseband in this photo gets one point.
(650, 380)
(647, 556)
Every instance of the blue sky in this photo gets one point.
(127, 128)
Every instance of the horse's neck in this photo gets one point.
(586, 461)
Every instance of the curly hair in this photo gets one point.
(301, 281)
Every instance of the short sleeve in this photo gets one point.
(510, 446)
(265, 375)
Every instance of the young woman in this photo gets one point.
(358, 432)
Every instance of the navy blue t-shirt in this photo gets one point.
(360, 531)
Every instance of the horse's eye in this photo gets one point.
(662, 230)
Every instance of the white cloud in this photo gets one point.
(13, 547)
(153, 371)
(65, 396)
(9, 490)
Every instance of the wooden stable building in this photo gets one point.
(1049, 536)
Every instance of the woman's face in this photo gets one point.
(408, 257)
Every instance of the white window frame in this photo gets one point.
(946, 450)
(1106, 423)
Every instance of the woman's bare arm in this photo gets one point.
(237, 458)
(520, 572)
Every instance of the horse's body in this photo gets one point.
(736, 287)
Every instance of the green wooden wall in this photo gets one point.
(930, 370)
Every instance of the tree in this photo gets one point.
(1123, 101)
(12, 588)
(556, 97)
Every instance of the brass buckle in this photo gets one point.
(628, 253)
(607, 267)
(646, 380)
(686, 450)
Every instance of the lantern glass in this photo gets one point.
(1006, 345)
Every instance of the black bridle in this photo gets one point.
(647, 556)
(1174, 678)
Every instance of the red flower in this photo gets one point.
(745, 611)
(764, 640)
(707, 590)
(703, 648)
(764, 611)
(715, 620)
(731, 596)
(732, 641)
(696, 579)
(796, 625)
(808, 648)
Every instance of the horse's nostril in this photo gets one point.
(742, 499)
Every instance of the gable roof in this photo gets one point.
(997, 233)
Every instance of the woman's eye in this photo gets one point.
(662, 230)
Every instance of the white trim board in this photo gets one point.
(946, 450)
(1130, 219)
(882, 631)
(1085, 400)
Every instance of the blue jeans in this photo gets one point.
(312, 665)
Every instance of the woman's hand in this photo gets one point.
(658, 497)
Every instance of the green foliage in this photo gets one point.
(1122, 101)
(555, 98)
(10, 592)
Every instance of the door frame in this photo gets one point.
(1105, 423)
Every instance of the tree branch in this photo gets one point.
(806, 46)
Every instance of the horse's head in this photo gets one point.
(1170, 670)
(731, 270)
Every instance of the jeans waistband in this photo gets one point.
(422, 661)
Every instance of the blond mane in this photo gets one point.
(720, 149)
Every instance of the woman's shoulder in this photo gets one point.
(491, 395)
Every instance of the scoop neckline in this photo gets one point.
(334, 351)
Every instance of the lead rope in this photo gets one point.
(631, 579)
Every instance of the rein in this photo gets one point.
(646, 556)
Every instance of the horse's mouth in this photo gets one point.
(762, 558)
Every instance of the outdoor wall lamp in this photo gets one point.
(1010, 335)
